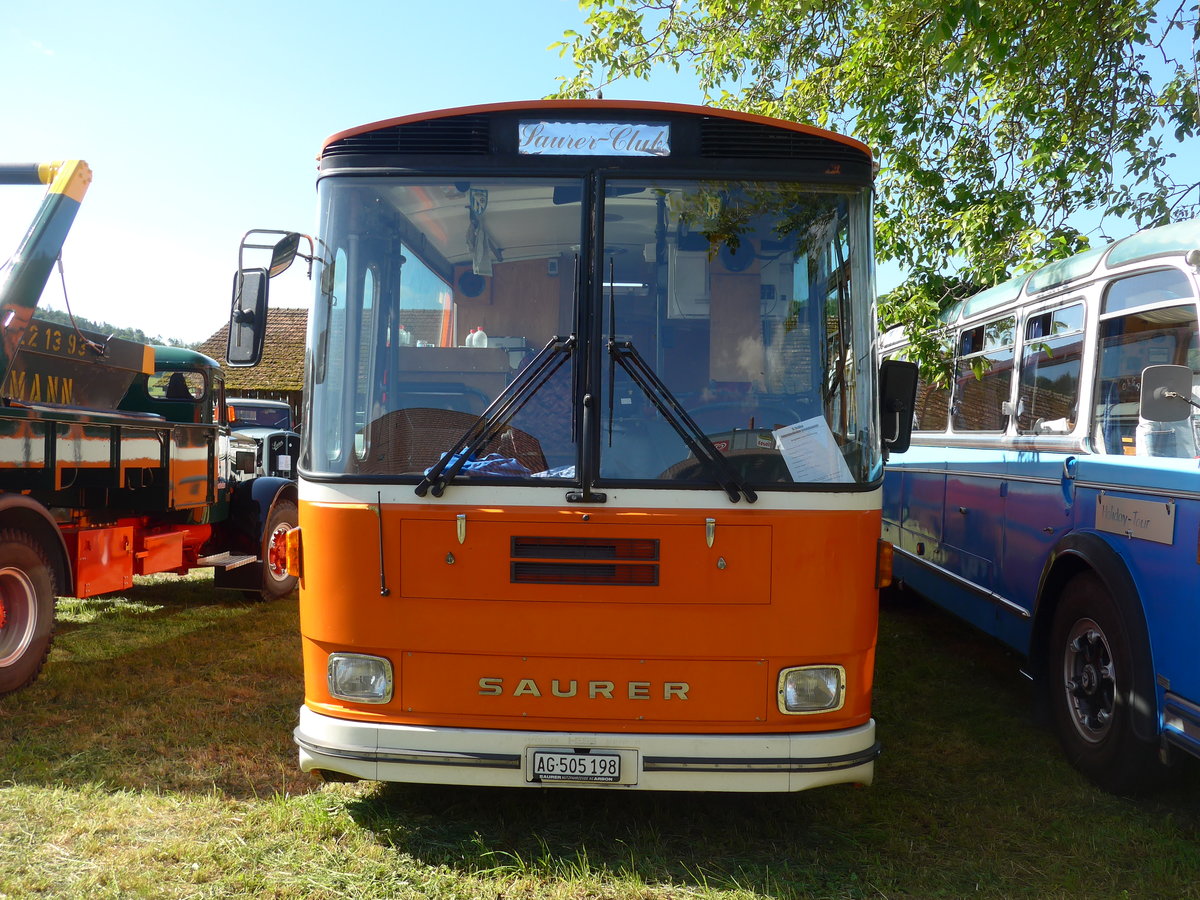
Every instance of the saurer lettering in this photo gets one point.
(589, 690)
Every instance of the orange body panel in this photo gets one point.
(103, 560)
(160, 552)
(691, 642)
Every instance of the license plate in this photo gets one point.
(594, 766)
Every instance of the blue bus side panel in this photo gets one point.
(1040, 510)
(1167, 575)
(1005, 512)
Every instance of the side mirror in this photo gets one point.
(248, 318)
(283, 254)
(1166, 393)
(897, 402)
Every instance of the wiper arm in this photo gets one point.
(717, 466)
(498, 414)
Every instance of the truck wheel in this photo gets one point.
(26, 610)
(276, 580)
(1090, 678)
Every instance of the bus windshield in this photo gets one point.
(724, 331)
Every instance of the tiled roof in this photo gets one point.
(282, 366)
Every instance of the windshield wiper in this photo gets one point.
(710, 458)
(498, 414)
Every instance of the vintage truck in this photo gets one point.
(269, 424)
(116, 458)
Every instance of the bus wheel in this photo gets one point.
(26, 610)
(276, 581)
(1090, 679)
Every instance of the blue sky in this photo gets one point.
(203, 120)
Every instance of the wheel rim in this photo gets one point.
(277, 552)
(1090, 680)
(18, 614)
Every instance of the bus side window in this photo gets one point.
(983, 376)
(932, 409)
(1050, 365)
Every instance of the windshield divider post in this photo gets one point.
(612, 339)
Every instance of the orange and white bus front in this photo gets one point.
(590, 478)
(662, 648)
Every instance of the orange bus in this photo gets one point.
(591, 464)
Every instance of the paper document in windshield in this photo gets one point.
(810, 452)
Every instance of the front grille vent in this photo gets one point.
(457, 135)
(580, 561)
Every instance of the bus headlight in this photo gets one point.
(811, 689)
(359, 678)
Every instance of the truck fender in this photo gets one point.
(250, 506)
(1077, 552)
(20, 512)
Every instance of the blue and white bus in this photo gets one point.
(1051, 495)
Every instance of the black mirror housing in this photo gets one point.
(248, 318)
(897, 402)
(1166, 394)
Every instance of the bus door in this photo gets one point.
(1040, 502)
(976, 474)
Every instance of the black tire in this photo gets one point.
(276, 582)
(26, 610)
(1090, 675)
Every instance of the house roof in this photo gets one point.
(282, 366)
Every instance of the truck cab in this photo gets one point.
(188, 388)
(268, 423)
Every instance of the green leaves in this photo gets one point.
(1006, 133)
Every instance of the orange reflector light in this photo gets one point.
(294, 555)
(883, 564)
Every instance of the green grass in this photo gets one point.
(154, 759)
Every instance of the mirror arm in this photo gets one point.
(896, 407)
(1175, 395)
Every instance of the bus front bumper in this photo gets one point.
(657, 762)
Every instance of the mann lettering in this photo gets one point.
(40, 388)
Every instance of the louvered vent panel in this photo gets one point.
(730, 137)
(583, 573)
(538, 560)
(460, 135)
(583, 548)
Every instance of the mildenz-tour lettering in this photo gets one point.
(594, 139)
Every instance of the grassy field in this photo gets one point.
(154, 759)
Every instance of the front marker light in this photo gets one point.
(293, 553)
(359, 678)
(811, 689)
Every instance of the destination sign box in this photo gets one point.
(547, 138)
